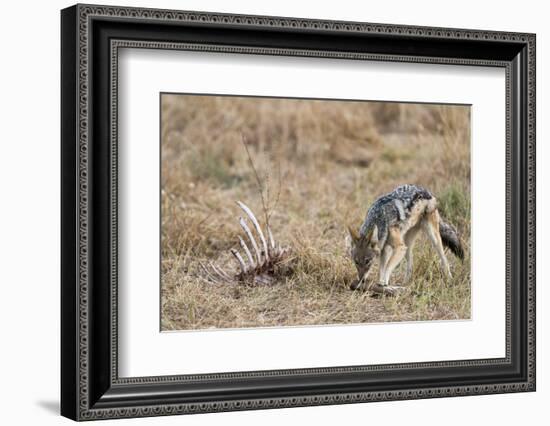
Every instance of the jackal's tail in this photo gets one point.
(450, 239)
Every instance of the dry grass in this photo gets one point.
(333, 158)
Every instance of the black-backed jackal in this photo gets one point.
(389, 232)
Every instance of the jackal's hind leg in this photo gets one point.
(431, 225)
(410, 239)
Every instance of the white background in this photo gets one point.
(146, 352)
(29, 225)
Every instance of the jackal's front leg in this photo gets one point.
(396, 258)
(385, 256)
(392, 254)
(398, 250)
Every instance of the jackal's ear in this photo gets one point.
(355, 237)
(374, 235)
(369, 235)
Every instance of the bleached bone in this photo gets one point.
(240, 260)
(247, 252)
(255, 223)
(386, 290)
(214, 274)
(255, 271)
(220, 272)
(248, 233)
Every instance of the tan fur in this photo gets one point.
(401, 238)
(410, 239)
(431, 225)
(396, 242)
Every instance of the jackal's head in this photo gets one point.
(363, 250)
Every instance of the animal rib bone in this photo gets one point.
(254, 271)
(240, 260)
(220, 272)
(256, 225)
(247, 251)
(248, 233)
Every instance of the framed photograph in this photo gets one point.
(263, 212)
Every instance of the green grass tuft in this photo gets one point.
(454, 204)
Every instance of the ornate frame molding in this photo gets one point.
(79, 21)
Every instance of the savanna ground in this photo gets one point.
(321, 164)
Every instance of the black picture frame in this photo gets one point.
(90, 38)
